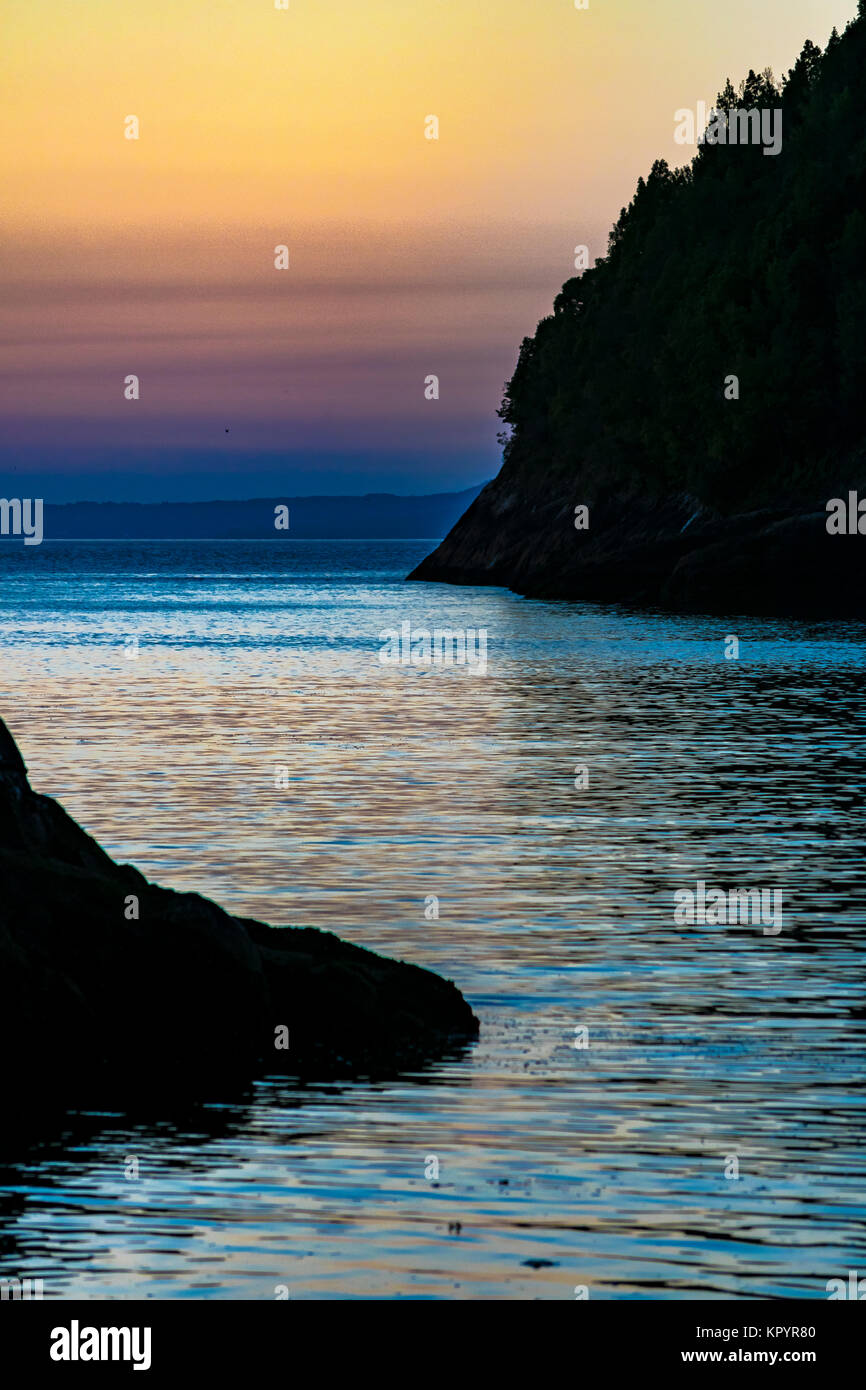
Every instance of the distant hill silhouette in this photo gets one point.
(740, 265)
(375, 516)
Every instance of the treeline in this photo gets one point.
(740, 265)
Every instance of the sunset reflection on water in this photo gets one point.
(555, 913)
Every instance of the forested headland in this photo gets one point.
(702, 385)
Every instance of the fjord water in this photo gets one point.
(612, 1162)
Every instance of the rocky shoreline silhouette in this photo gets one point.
(116, 992)
(675, 553)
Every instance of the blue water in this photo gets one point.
(709, 1139)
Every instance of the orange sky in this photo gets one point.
(306, 127)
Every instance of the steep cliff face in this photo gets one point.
(700, 390)
(115, 991)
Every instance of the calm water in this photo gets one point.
(555, 913)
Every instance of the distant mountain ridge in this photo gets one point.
(373, 516)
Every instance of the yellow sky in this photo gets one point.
(249, 113)
(306, 127)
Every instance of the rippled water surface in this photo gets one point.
(614, 1162)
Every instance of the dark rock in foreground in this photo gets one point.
(99, 1008)
(675, 553)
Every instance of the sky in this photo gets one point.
(306, 127)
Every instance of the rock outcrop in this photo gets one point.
(700, 387)
(115, 992)
(672, 552)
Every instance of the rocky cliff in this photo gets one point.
(675, 552)
(699, 390)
